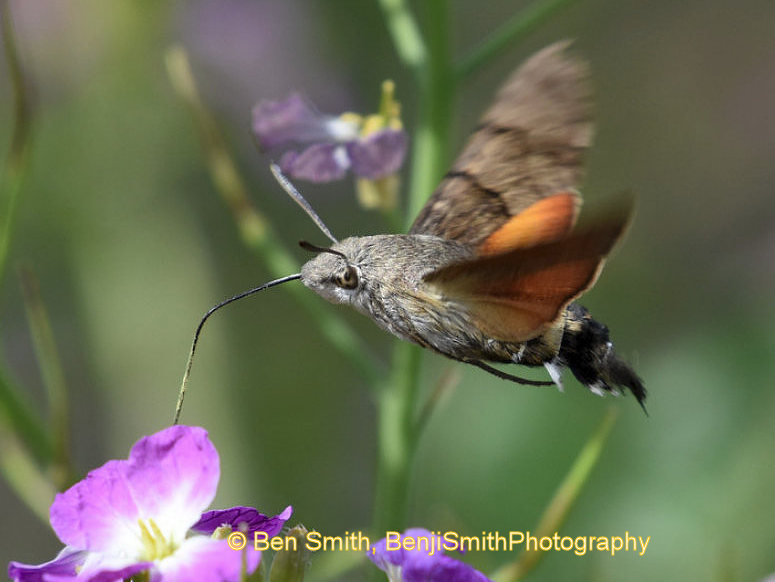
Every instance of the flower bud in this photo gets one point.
(290, 563)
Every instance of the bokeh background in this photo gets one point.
(120, 223)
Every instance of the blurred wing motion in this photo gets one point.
(511, 197)
(528, 146)
(515, 295)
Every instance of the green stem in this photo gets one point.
(447, 382)
(17, 160)
(23, 421)
(555, 513)
(53, 377)
(21, 472)
(430, 153)
(397, 440)
(514, 30)
(19, 418)
(405, 33)
(397, 402)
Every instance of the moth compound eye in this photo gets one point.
(347, 279)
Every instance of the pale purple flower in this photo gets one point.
(426, 563)
(145, 514)
(332, 145)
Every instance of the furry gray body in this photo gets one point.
(391, 291)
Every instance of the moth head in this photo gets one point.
(331, 274)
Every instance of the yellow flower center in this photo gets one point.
(155, 545)
(389, 115)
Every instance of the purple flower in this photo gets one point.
(425, 562)
(145, 514)
(373, 147)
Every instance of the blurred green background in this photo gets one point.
(120, 223)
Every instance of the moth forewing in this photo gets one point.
(516, 295)
(528, 145)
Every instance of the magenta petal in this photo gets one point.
(203, 559)
(382, 556)
(323, 162)
(174, 475)
(170, 476)
(96, 513)
(277, 123)
(65, 565)
(78, 566)
(106, 572)
(379, 154)
(421, 565)
(244, 519)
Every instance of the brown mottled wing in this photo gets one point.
(527, 146)
(513, 296)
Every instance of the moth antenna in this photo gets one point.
(308, 246)
(300, 200)
(182, 392)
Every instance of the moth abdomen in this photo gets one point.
(589, 353)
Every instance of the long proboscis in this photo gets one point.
(182, 392)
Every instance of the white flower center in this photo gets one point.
(341, 158)
(341, 129)
(394, 572)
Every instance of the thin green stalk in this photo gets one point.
(555, 513)
(19, 415)
(406, 35)
(446, 383)
(514, 30)
(24, 421)
(336, 566)
(22, 473)
(430, 63)
(397, 403)
(430, 153)
(255, 230)
(17, 160)
(53, 377)
(397, 440)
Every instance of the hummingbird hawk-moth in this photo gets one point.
(491, 268)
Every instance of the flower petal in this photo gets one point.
(205, 560)
(65, 564)
(379, 154)
(170, 477)
(97, 513)
(427, 564)
(323, 162)
(104, 568)
(291, 120)
(439, 568)
(78, 566)
(381, 555)
(237, 516)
